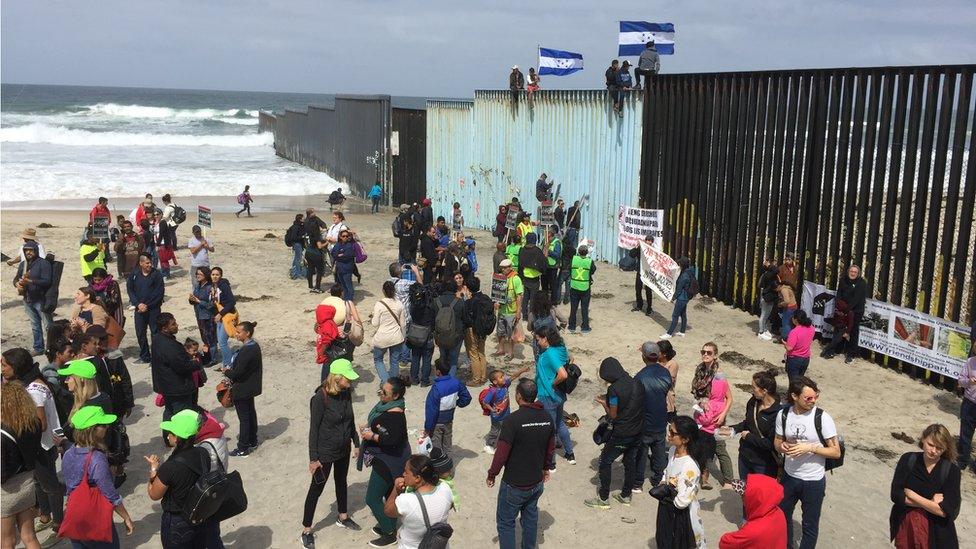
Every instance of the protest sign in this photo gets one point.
(916, 338)
(499, 288)
(634, 223)
(547, 215)
(100, 229)
(204, 218)
(512, 220)
(658, 271)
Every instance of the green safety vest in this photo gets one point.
(552, 247)
(86, 266)
(580, 274)
(512, 251)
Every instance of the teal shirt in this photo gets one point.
(550, 361)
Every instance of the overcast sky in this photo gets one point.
(449, 48)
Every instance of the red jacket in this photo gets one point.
(326, 329)
(99, 211)
(765, 525)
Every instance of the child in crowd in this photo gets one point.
(446, 394)
(444, 468)
(192, 348)
(495, 404)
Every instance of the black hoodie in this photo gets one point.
(768, 283)
(627, 396)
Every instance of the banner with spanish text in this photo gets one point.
(634, 223)
(658, 271)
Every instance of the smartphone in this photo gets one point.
(58, 432)
(318, 477)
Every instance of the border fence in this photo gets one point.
(864, 165)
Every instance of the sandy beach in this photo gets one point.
(868, 402)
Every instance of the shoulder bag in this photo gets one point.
(395, 317)
(88, 514)
(353, 328)
(437, 534)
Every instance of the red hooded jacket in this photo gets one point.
(765, 525)
(326, 329)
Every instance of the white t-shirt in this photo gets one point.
(800, 428)
(334, 231)
(412, 527)
(41, 395)
(202, 257)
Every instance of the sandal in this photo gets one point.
(706, 485)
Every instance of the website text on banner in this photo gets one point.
(908, 335)
(634, 223)
(658, 271)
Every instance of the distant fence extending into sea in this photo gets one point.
(866, 165)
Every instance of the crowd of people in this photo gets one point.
(437, 299)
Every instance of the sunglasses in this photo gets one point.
(672, 432)
(707, 353)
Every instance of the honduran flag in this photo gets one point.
(634, 36)
(559, 62)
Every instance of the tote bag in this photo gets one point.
(88, 515)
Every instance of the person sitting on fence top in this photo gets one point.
(543, 188)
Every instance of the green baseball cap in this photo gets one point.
(343, 367)
(90, 416)
(81, 368)
(184, 424)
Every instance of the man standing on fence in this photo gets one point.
(516, 83)
(854, 290)
(648, 64)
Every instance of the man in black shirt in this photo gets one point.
(854, 290)
(428, 251)
(611, 78)
(624, 406)
(559, 214)
(525, 448)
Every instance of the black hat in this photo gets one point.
(441, 462)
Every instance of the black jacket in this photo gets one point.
(246, 371)
(408, 242)
(428, 250)
(767, 284)
(332, 426)
(944, 479)
(425, 219)
(629, 396)
(573, 218)
(40, 274)
(757, 447)
(228, 302)
(854, 292)
(113, 379)
(611, 76)
(19, 456)
(296, 233)
(172, 367)
(312, 230)
(533, 257)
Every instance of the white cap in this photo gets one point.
(514, 67)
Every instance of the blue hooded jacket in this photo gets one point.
(446, 394)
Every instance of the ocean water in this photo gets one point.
(69, 142)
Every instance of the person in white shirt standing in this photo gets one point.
(806, 446)
(200, 249)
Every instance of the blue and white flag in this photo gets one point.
(559, 62)
(634, 36)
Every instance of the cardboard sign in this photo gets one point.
(634, 223)
(658, 271)
(547, 213)
(499, 288)
(204, 218)
(512, 220)
(100, 227)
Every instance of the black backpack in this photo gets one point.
(831, 463)
(179, 215)
(216, 495)
(573, 374)
(396, 227)
(437, 534)
(483, 315)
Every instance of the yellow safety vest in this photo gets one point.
(580, 274)
(552, 247)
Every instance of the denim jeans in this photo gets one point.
(629, 448)
(655, 450)
(562, 287)
(786, 315)
(810, 494)
(967, 425)
(381, 371)
(680, 311)
(223, 341)
(796, 366)
(376, 205)
(765, 309)
(555, 410)
(297, 269)
(176, 533)
(144, 321)
(581, 300)
(513, 502)
(451, 355)
(247, 437)
(114, 544)
(345, 279)
(48, 489)
(40, 321)
(418, 373)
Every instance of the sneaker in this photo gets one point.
(625, 500)
(570, 458)
(585, 331)
(848, 360)
(572, 330)
(376, 530)
(489, 450)
(348, 523)
(385, 540)
(635, 309)
(680, 334)
(649, 312)
(597, 503)
(241, 452)
(664, 336)
(308, 540)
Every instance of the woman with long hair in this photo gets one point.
(205, 310)
(385, 450)
(421, 478)
(172, 480)
(668, 358)
(20, 445)
(798, 344)
(332, 435)
(756, 451)
(679, 524)
(925, 493)
(226, 304)
(87, 460)
(550, 371)
(245, 374)
(542, 314)
(710, 388)
(86, 310)
(108, 294)
(391, 327)
(344, 258)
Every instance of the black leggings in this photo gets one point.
(316, 269)
(246, 207)
(315, 489)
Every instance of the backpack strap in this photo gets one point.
(783, 420)
(818, 426)
(423, 509)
